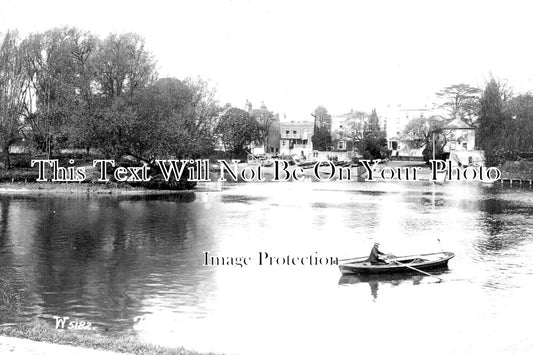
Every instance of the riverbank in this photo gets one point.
(18, 346)
(80, 188)
(36, 339)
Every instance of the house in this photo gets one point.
(295, 138)
(461, 143)
(341, 127)
(459, 135)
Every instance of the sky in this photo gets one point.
(296, 55)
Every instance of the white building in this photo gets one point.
(461, 143)
(296, 138)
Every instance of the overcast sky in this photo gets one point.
(295, 55)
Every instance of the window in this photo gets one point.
(341, 145)
(282, 142)
(287, 132)
(293, 132)
(465, 145)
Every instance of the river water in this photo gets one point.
(107, 260)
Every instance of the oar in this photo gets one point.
(414, 268)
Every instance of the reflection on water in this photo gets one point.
(110, 259)
(412, 278)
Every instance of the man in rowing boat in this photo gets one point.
(374, 257)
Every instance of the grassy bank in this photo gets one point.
(77, 188)
(42, 333)
(22, 177)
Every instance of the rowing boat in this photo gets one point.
(396, 264)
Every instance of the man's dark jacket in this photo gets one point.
(374, 255)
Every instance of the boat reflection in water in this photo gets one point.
(393, 279)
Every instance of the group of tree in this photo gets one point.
(459, 102)
(361, 128)
(503, 121)
(68, 88)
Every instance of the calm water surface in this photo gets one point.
(109, 259)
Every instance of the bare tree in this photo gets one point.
(354, 126)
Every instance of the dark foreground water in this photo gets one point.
(106, 260)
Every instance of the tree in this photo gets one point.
(204, 111)
(460, 101)
(50, 72)
(78, 128)
(322, 130)
(237, 129)
(495, 128)
(373, 145)
(372, 124)
(182, 116)
(321, 138)
(111, 78)
(123, 65)
(425, 133)
(168, 119)
(354, 125)
(520, 111)
(266, 120)
(322, 117)
(12, 93)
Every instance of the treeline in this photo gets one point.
(69, 88)
(361, 129)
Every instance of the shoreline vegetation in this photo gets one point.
(23, 180)
(37, 336)
(80, 188)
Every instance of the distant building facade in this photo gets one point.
(296, 138)
(459, 135)
(341, 139)
(461, 143)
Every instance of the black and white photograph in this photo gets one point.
(252, 177)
